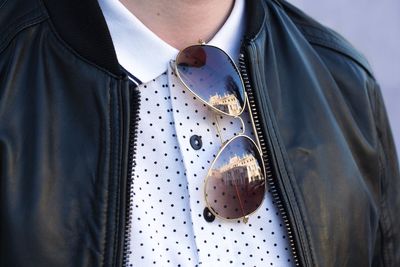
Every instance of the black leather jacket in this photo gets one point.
(67, 130)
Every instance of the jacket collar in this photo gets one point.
(257, 15)
(82, 26)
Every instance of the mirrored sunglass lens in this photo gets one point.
(210, 74)
(235, 185)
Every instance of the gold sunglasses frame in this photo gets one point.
(227, 142)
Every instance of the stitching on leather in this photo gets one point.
(105, 241)
(333, 42)
(334, 46)
(39, 9)
(263, 24)
(330, 35)
(11, 32)
(68, 48)
(63, 44)
(2, 4)
(339, 42)
(330, 39)
(291, 182)
(326, 44)
(74, 53)
(382, 248)
(18, 20)
(117, 206)
(384, 224)
(387, 222)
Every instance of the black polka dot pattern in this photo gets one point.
(168, 224)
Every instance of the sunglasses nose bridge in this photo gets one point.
(243, 126)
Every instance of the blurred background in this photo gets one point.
(373, 27)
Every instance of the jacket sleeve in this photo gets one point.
(390, 184)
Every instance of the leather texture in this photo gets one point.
(64, 138)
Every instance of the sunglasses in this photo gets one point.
(235, 184)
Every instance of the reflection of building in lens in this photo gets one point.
(227, 103)
(239, 170)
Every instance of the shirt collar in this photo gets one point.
(145, 55)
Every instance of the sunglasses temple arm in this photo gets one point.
(218, 128)
(241, 204)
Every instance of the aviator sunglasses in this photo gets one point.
(235, 184)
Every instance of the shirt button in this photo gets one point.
(208, 216)
(195, 142)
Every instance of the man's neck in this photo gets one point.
(181, 22)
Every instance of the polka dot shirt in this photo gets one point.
(168, 225)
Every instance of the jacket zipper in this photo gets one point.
(271, 180)
(274, 189)
(133, 123)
